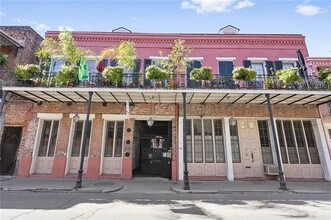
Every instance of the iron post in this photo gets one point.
(186, 181)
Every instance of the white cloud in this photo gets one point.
(2, 13)
(244, 4)
(42, 27)
(66, 28)
(308, 10)
(207, 6)
(37, 25)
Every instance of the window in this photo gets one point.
(265, 142)
(235, 144)
(78, 141)
(56, 65)
(259, 68)
(114, 139)
(297, 138)
(204, 139)
(48, 138)
(288, 65)
(92, 66)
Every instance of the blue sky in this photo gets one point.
(310, 18)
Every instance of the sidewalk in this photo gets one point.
(157, 186)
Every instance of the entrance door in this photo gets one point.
(251, 152)
(154, 146)
(10, 143)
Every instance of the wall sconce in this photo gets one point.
(75, 118)
(150, 122)
(232, 122)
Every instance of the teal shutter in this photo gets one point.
(278, 65)
(192, 83)
(137, 66)
(105, 63)
(147, 62)
(225, 68)
(247, 63)
(269, 65)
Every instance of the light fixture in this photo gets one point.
(232, 122)
(75, 118)
(150, 122)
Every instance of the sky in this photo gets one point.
(307, 17)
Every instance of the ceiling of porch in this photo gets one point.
(240, 96)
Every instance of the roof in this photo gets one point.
(6, 40)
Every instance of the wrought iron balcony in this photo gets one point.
(179, 81)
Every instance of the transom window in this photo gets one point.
(205, 141)
(114, 139)
(78, 141)
(297, 142)
(48, 138)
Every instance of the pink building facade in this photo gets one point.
(228, 131)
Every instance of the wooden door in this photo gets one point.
(250, 148)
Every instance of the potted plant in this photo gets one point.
(114, 73)
(324, 74)
(25, 73)
(289, 76)
(67, 76)
(242, 73)
(202, 74)
(156, 73)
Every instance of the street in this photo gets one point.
(165, 205)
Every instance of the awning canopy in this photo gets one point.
(116, 95)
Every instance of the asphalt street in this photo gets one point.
(166, 205)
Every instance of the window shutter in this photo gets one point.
(194, 64)
(247, 63)
(137, 66)
(269, 65)
(278, 65)
(225, 68)
(147, 62)
(113, 62)
(105, 63)
(300, 71)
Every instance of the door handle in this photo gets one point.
(252, 155)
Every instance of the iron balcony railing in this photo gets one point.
(179, 81)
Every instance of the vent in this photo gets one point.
(270, 169)
(229, 29)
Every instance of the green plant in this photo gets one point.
(44, 56)
(242, 73)
(289, 76)
(203, 73)
(324, 74)
(125, 54)
(27, 71)
(67, 74)
(66, 47)
(3, 60)
(154, 72)
(115, 73)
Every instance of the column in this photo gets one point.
(228, 150)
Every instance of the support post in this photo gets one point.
(282, 181)
(186, 181)
(86, 127)
(2, 104)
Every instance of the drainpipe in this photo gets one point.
(186, 181)
(86, 127)
(282, 181)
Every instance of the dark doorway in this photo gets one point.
(10, 142)
(153, 149)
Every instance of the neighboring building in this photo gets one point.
(228, 131)
(313, 64)
(18, 43)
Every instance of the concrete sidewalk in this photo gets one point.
(157, 186)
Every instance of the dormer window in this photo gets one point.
(229, 29)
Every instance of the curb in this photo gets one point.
(63, 190)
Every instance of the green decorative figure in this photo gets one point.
(83, 70)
